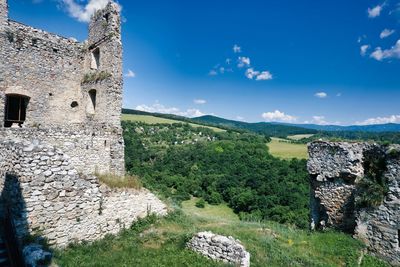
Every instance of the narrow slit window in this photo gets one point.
(91, 108)
(15, 110)
(95, 64)
(398, 238)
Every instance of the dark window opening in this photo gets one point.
(398, 238)
(105, 142)
(74, 104)
(50, 94)
(55, 50)
(15, 110)
(107, 17)
(92, 101)
(95, 64)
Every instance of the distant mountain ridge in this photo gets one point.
(277, 129)
(388, 127)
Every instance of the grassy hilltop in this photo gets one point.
(247, 193)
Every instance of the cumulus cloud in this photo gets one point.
(160, 108)
(278, 116)
(380, 120)
(130, 74)
(380, 54)
(375, 11)
(83, 12)
(321, 95)
(319, 120)
(386, 33)
(259, 76)
(237, 49)
(251, 73)
(364, 49)
(243, 62)
(199, 101)
(264, 76)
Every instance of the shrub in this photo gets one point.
(200, 203)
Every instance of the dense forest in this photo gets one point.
(180, 161)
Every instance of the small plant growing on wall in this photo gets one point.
(373, 188)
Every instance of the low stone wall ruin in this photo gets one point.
(218, 247)
(336, 170)
(45, 194)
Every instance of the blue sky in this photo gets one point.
(256, 60)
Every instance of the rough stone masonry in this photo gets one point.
(60, 102)
(337, 170)
(219, 247)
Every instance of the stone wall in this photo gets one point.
(91, 149)
(218, 247)
(64, 90)
(47, 195)
(336, 171)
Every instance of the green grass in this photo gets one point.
(161, 242)
(281, 149)
(156, 120)
(299, 136)
(210, 212)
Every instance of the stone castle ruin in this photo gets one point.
(347, 193)
(60, 102)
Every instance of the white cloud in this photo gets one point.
(199, 101)
(83, 12)
(130, 74)
(321, 95)
(380, 120)
(278, 116)
(160, 108)
(319, 120)
(393, 52)
(364, 49)
(237, 49)
(222, 70)
(213, 73)
(239, 118)
(375, 11)
(228, 61)
(264, 76)
(260, 76)
(339, 94)
(386, 33)
(243, 61)
(251, 73)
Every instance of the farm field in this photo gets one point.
(299, 136)
(282, 149)
(155, 120)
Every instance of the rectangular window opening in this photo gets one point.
(95, 64)
(15, 110)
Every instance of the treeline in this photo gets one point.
(218, 167)
(379, 137)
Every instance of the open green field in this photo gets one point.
(161, 242)
(155, 120)
(281, 149)
(299, 136)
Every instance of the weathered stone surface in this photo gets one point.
(65, 108)
(218, 247)
(336, 168)
(65, 208)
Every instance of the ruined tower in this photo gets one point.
(105, 59)
(63, 92)
(3, 13)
